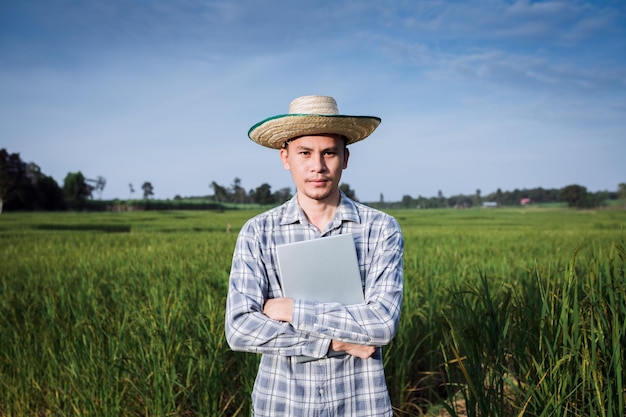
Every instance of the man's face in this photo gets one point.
(316, 163)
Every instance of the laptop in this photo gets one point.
(323, 270)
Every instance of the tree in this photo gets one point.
(263, 194)
(220, 194)
(40, 192)
(282, 195)
(621, 192)
(49, 194)
(441, 199)
(349, 192)
(98, 185)
(238, 192)
(12, 176)
(499, 196)
(407, 201)
(76, 190)
(24, 187)
(477, 200)
(148, 190)
(574, 195)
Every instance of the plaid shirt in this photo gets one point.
(337, 386)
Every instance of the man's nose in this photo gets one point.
(319, 163)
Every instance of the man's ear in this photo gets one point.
(284, 153)
(346, 156)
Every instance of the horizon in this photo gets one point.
(483, 195)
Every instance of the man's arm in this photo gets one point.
(281, 309)
(375, 322)
(247, 327)
(361, 351)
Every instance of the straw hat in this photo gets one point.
(311, 115)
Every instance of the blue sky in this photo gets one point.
(473, 95)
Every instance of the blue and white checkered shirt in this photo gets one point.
(336, 386)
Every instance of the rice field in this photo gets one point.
(507, 312)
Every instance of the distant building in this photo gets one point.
(490, 204)
(525, 201)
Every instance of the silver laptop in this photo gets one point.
(323, 270)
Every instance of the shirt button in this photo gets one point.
(321, 391)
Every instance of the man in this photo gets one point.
(312, 140)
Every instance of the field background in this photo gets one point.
(507, 312)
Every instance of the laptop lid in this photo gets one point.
(322, 270)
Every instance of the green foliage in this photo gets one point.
(575, 196)
(116, 315)
(24, 187)
(76, 190)
(551, 345)
(621, 193)
(12, 174)
(537, 196)
(349, 192)
(508, 312)
(148, 190)
(261, 195)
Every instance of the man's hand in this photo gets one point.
(360, 351)
(279, 309)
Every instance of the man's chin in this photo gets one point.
(319, 195)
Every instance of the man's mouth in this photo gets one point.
(318, 181)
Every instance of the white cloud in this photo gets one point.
(165, 92)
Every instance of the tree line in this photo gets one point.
(261, 195)
(574, 195)
(23, 187)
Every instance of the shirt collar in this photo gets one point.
(346, 211)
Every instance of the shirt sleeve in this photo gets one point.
(375, 322)
(247, 328)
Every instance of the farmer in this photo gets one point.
(312, 141)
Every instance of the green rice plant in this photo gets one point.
(552, 345)
(478, 343)
(412, 364)
(516, 312)
(116, 324)
(575, 365)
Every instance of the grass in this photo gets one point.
(513, 311)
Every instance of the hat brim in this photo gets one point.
(274, 131)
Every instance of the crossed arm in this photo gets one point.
(259, 320)
(281, 309)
